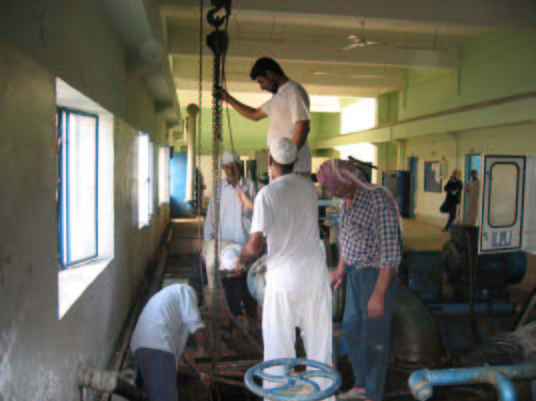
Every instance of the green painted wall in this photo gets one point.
(493, 66)
(387, 156)
(249, 135)
(324, 126)
(388, 104)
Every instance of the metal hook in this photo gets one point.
(218, 5)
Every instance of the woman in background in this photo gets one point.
(453, 188)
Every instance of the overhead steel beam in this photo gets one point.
(320, 90)
(186, 68)
(518, 15)
(309, 49)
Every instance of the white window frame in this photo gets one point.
(66, 163)
(73, 281)
(145, 179)
(163, 175)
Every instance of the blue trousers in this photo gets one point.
(159, 374)
(367, 340)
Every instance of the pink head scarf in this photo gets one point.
(336, 172)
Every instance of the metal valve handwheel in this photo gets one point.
(295, 386)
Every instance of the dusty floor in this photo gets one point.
(421, 236)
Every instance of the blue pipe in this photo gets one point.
(422, 381)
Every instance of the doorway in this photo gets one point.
(472, 162)
(179, 207)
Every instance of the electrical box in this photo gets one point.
(507, 204)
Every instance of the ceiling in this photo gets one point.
(310, 45)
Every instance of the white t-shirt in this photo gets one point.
(286, 211)
(167, 320)
(289, 105)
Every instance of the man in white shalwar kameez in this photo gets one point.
(297, 279)
(472, 193)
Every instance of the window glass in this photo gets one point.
(503, 194)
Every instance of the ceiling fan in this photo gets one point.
(361, 40)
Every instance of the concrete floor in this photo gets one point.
(417, 235)
(422, 236)
(186, 241)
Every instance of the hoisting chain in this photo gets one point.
(199, 191)
(217, 41)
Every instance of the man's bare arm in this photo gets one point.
(245, 110)
(253, 249)
(382, 283)
(246, 200)
(201, 337)
(188, 358)
(301, 130)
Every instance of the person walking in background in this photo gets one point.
(453, 188)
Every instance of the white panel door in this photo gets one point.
(503, 198)
(529, 231)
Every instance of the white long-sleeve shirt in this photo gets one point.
(235, 218)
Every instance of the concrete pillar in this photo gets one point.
(192, 110)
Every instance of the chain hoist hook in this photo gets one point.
(213, 19)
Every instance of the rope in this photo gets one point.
(224, 78)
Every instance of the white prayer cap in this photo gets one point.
(230, 256)
(229, 157)
(283, 151)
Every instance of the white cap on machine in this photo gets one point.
(230, 256)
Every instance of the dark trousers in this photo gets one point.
(367, 339)
(236, 292)
(453, 208)
(159, 374)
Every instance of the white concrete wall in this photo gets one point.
(74, 41)
(39, 354)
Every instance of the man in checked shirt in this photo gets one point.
(370, 247)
